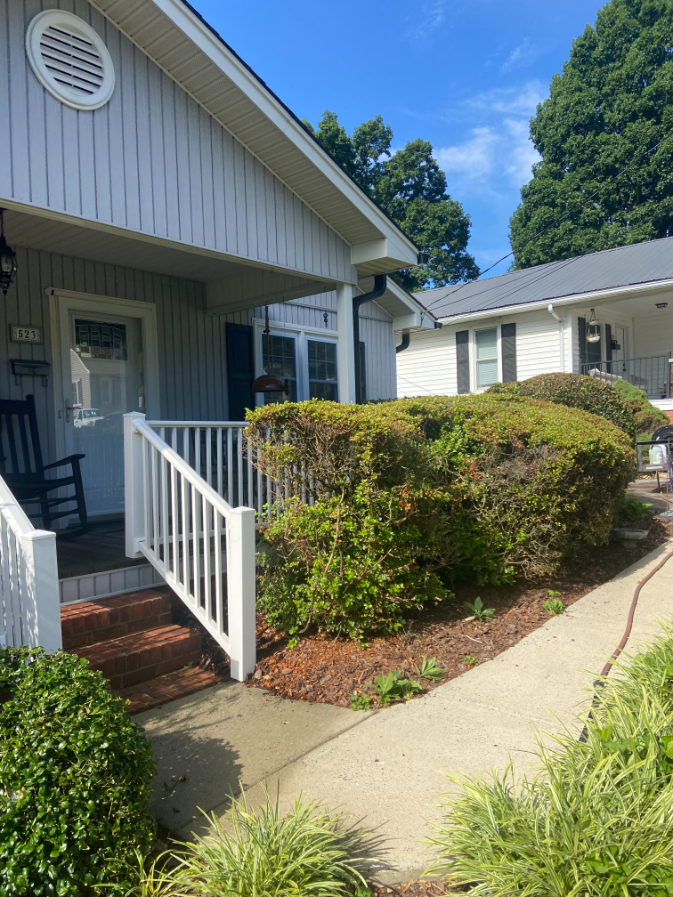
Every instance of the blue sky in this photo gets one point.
(466, 76)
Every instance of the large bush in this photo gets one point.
(75, 777)
(383, 507)
(597, 822)
(575, 391)
(647, 417)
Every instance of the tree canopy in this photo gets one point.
(411, 188)
(612, 103)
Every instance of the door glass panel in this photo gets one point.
(106, 366)
(279, 359)
(487, 357)
(322, 370)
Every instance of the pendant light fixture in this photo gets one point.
(7, 258)
(593, 329)
(268, 382)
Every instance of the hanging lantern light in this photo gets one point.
(7, 258)
(269, 382)
(593, 329)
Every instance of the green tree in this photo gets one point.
(411, 188)
(612, 102)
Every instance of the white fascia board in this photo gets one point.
(425, 317)
(631, 291)
(242, 77)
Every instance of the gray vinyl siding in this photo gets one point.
(151, 161)
(191, 371)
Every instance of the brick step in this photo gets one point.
(169, 687)
(141, 656)
(92, 622)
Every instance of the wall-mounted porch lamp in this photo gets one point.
(269, 382)
(7, 258)
(593, 329)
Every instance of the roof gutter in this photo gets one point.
(380, 282)
(612, 295)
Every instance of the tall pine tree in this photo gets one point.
(612, 102)
(411, 188)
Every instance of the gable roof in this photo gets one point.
(180, 42)
(626, 266)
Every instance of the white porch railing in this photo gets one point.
(30, 611)
(216, 451)
(202, 546)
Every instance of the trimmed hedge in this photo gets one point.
(647, 417)
(575, 391)
(75, 776)
(413, 495)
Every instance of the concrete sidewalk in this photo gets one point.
(387, 766)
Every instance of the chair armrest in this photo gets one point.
(63, 461)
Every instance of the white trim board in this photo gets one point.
(105, 584)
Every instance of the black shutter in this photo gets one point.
(362, 398)
(582, 335)
(508, 351)
(608, 346)
(463, 361)
(240, 369)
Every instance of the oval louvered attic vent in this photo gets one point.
(70, 59)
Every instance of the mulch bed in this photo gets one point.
(325, 670)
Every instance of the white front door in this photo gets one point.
(103, 354)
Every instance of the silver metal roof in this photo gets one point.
(626, 266)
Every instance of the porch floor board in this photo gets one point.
(101, 549)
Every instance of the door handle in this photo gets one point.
(68, 411)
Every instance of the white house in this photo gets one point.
(538, 321)
(159, 198)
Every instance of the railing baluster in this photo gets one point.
(230, 466)
(239, 458)
(219, 608)
(196, 566)
(209, 456)
(220, 434)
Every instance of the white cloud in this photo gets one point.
(520, 57)
(519, 100)
(474, 158)
(522, 153)
(432, 15)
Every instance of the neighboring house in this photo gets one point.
(538, 321)
(159, 197)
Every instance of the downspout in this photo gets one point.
(561, 334)
(406, 339)
(380, 282)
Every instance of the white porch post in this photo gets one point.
(241, 592)
(42, 607)
(346, 347)
(134, 488)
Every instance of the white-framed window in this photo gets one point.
(305, 357)
(487, 360)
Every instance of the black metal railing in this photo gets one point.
(652, 375)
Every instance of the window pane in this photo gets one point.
(322, 370)
(487, 344)
(487, 373)
(279, 360)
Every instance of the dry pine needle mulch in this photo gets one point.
(325, 670)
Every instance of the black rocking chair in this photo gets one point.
(22, 468)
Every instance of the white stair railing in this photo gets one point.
(216, 450)
(202, 546)
(30, 611)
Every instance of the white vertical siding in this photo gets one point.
(151, 160)
(192, 376)
(653, 335)
(538, 346)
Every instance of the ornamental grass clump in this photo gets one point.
(264, 853)
(597, 821)
(75, 776)
(380, 509)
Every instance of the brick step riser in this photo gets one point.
(145, 674)
(116, 630)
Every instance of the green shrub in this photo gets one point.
(598, 821)
(575, 391)
(383, 507)
(75, 777)
(647, 417)
(268, 855)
